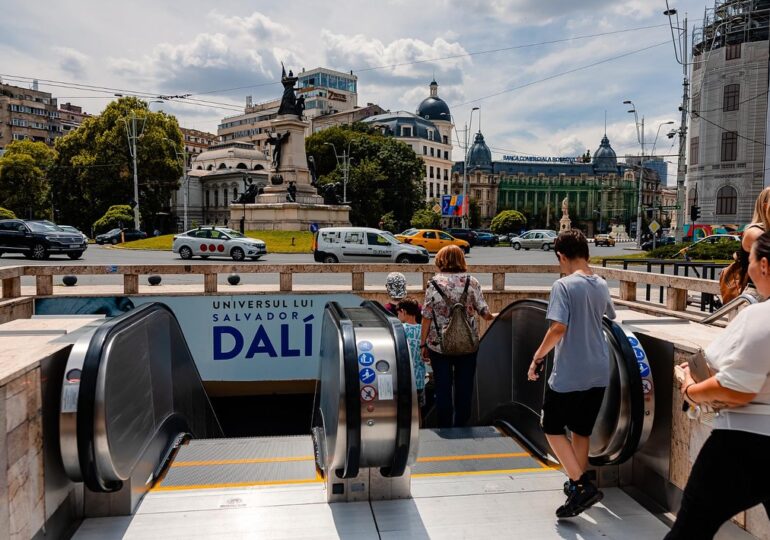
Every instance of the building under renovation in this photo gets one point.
(728, 111)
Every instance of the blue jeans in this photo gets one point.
(454, 375)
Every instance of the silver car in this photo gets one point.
(535, 239)
(206, 242)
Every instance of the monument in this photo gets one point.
(290, 201)
(565, 223)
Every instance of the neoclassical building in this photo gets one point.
(217, 177)
(600, 191)
(429, 132)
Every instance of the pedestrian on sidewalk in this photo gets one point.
(408, 311)
(453, 373)
(730, 474)
(581, 367)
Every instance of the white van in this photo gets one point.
(362, 244)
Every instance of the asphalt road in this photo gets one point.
(107, 256)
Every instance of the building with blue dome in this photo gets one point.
(600, 191)
(429, 132)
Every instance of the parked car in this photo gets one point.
(363, 244)
(664, 241)
(535, 239)
(74, 230)
(464, 234)
(115, 237)
(486, 238)
(205, 242)
(431, 239)
(38, 240)
(604, 240)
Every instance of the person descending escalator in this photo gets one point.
(581, 367)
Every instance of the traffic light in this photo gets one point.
(132, 204)
(694, 213)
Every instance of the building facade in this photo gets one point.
(600, 193)
(656, 163)
(252, 126)
(345, 118)
(196, 142)
(71, 116)
(327, 91)
(429, 133)
(728, 112)
(216, 178)
(28, 114)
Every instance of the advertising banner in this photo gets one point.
(233, 338)
(452, 206)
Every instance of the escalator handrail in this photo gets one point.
(732, 305)
(404, 374)
(99, 344)
(352, 395)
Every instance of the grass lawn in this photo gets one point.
(277, 241)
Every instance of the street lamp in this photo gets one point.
(640, 138)
(346, 159)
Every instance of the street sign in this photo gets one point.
(674, 207)
(437, 208)
(654, 226)
(314, 228)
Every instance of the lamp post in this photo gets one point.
(466, 206)
(346, 159)
(185, 176)
(640, 138)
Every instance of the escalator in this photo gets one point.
(136, 423)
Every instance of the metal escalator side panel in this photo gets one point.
(329, 433)
(140, 390)
(407, 414)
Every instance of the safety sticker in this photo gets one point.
(69, 397)
(386, 387)
(646, 386)
(367, 375)
(366, 359)
(644, 369)
(368, 393)
(364, 346)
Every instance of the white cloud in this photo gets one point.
(71, 61)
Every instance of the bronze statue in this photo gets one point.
(311, 168)
(289, 104)
(329, 193)
(291, 192)
(276, 140)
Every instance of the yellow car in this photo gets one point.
(432, 240)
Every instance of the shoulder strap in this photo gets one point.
(439, 291)
(464, 296)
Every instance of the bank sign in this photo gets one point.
(233, 338)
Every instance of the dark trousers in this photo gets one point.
(453, 375)
(730, 475)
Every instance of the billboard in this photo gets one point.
(452, 206)
(232, 338)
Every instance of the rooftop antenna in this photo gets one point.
(605, 122)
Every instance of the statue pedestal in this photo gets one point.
(565, 224)
(293, 165)
(285, 216)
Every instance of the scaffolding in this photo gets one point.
(731, 22)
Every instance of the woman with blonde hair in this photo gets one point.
(453, 373)
(760, 222)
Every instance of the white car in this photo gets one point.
(206, 242)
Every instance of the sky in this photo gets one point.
(543, 87)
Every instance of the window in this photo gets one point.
(216, 197)
(729, 145)
(208, 198)
(430, 190)
(235, 193)
(432, 154)
(694, 149)
(727, 200)
(446, 139)
(374, 239)
(430, 235)
(406, 131)
(430, 174)
(695, 104)
(731, 94)
(446, 189)
(424, 150)
(446, 174)
(445, 236)
(354, 237)
(224, 195)
(733, 52)
(430, 138)
(446, 154)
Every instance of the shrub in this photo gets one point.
(426, 219)
(703, 251)
(389, 222)
(119, 215)
(6, 214)
(508, 221)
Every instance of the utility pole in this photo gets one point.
(639, 196)
(133, 135)
(681, 167)
(464, 209)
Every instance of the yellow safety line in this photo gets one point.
(241, 461)
(315, 480)
(475, 473)
(472, 456)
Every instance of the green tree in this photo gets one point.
(389, 222)
(24, 183)
(426, 219)
(94, 171)
(385, 174)
(6, 214)
(508, 221)
(119, 215)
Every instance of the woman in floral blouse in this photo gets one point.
(454, 375)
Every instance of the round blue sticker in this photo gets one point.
(633, 341)
(364, 346)
(367, 375)
(639, 354)
(366, 359)
(644, 369)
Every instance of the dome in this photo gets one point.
(479, 156)
(433, 107)
(605, 159)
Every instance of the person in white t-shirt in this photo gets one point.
(731, 473)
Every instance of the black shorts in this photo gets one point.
(577, 411)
